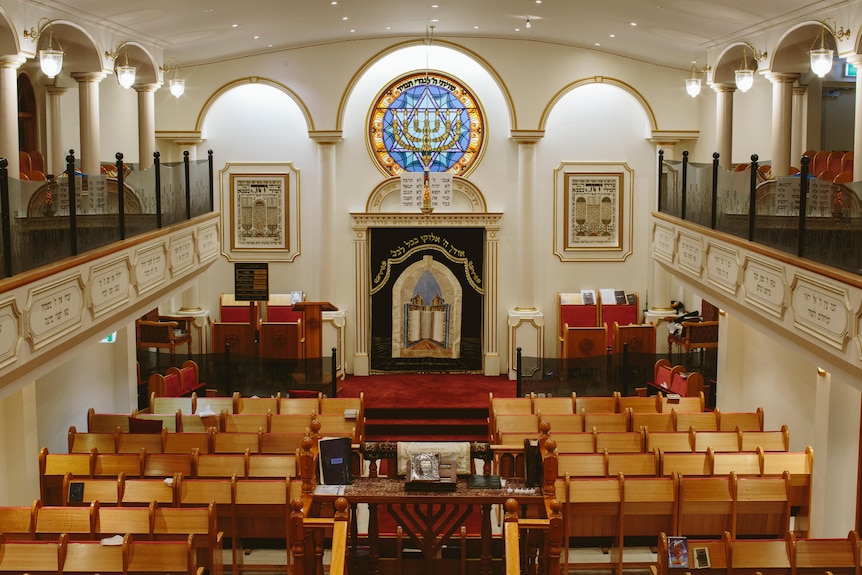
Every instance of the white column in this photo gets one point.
(146, 124)
(782, 102)
(56, 161)
(9, 111)
(326, 167)
(88, 103)
(361, 355)
(799, 128)
(856, 60)
(724, 124)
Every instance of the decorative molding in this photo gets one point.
(109, 285)
(151, 267)
(821, 310)
(468, 192)
(722, 268)
(10, 331)
(182, 253)
(690, 253)
(663, 241)
(54, 310)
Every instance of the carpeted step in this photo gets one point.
(426, 424)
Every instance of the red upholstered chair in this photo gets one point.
(37, 161)
(188, 377)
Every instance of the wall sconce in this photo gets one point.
(50, 60)
(177, 83)
(692, 85)
(125, 73)
(745, 75)
(821, 58)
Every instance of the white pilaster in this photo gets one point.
(856, 60)
(326, 162)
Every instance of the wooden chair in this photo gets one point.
(695, 335)
(154, 331)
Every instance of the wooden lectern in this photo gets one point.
(312, 317)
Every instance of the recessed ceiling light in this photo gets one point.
(257, 37)
(234, 25)
(344, 18)
(538, 1)
(269, 45)
(612, 35)
(435, 5)
(597, 44)
(633, 23)
(435, 20)
(517, 29)
(475, 27)
(352, 31)
(389, 27)
(209, 10)
(334, 2)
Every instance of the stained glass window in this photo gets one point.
(426, 122)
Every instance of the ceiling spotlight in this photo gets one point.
(528, 25)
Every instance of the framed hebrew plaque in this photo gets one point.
(592, 211)
(260, 211)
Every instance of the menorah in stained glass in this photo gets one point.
(426, 132)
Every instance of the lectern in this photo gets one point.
(312, 317)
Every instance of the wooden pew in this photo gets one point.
(162, 557)
(105, 442)
(291, 422)
(649, 507)
(167, 464)
(143, 491)
(634, 464)
(298, 405)
(135, 521)
(575, 442)
(706, 506)
(28, 556)
(620, 441)
(106, 422)
(699, 420)
(742, 420)
(762, 506)
(715, 549)
(221, 464)
(17, 522)
(170, 405)
(113, 464)
(135, 442)
(563, 422)
(668, 441)
(691, 400)
(78, 522)
(235, 441)
(266, 466)
(718, 441)
(186, 441)
(687, 463)
(259, 405)
(274, 442)
(598, 404)
(53, 468)
(196, 524)
(583, 465)
(606, 422)
(230, 422)
(593, 509)
(765, 556)
(816, 556)
(778, 440)
(638, 404)
(741, 463)
(554, 405)
(801, 466)
(653, 421)
(85, 490)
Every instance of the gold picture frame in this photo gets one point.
(593, 211)
(260, 211)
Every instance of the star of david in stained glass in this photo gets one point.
(426, 122)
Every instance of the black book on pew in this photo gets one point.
(334, 456)
(532, 463)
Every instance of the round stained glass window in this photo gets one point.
(426, 122)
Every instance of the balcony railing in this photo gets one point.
(40, 225)
(802, 215)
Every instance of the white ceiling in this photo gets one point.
(668, 32)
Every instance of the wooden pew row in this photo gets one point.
(61, 555)
(349, 422)
(710, 503)
(617, 510)
(789, 554)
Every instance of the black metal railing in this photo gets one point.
(43, 222)
(799, 214)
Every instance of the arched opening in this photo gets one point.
(28, 120)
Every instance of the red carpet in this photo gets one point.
(427, 390)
